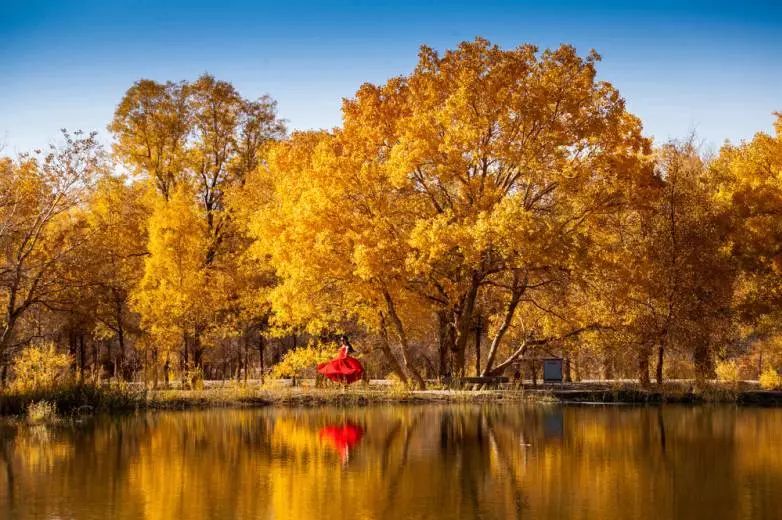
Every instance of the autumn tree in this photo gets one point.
(483, 170)
(38, 194)
(516, 156)
(194, 142)
(749, 179)
(112, 261)
(330, 236)
(672, 280)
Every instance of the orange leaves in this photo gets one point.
(481, 163)
(749, 177)
(198, 144)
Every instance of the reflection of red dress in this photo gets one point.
(344, 369)
(342, 438)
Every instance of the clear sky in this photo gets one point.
(710, 66)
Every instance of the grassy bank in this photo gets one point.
(685, 393)
(73, 399)
(88, 399)
(92, 399)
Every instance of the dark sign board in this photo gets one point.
(552, 370)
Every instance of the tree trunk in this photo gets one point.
(385, 346)
(185, 356)
(445, 344)
(197, 349)
(463, 322)
(118, 306)
(97, 369)
(499, 369)
(166, 372)
(643, 365)
(534, 369)
(477, 351)
(509, 313)
(703, 362)
(73, 351)
(275, 354)
(246, 359)
(660, 360)
(155, 374)
(82, 359)
(261, 348)
(608, 364)
(122, 361)
(112, 360)
(11, 316)
(400, 331)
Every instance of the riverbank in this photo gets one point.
(634, 394)
(88, 399)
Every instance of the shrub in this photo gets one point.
(727, 371)
(397, 383)
(39, 367)
(302, 361)
(41, 411)
(193, 379)
(770, 379)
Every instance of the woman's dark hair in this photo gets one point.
(344, 339)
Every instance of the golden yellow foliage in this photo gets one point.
(750, 188)
(483, 169)
(770, 379)
(176, 295)
(727, 371)
(195, 143)
(301, 361)
(501, 198)
(39, 233)
(39, 368)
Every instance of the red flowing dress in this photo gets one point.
(343, 369)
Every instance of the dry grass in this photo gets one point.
(41, 412)
(89, 399)
(308, 396)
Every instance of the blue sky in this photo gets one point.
(712, 67)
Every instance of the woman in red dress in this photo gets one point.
(344, 369)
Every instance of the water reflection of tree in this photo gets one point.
(7, 434)
(451, 461)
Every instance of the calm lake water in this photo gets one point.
(460, 461)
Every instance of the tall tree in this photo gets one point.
(483, 170)
(112, 260)
(201, 139)
(749, 179)
(672, 275)
(37, 197)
